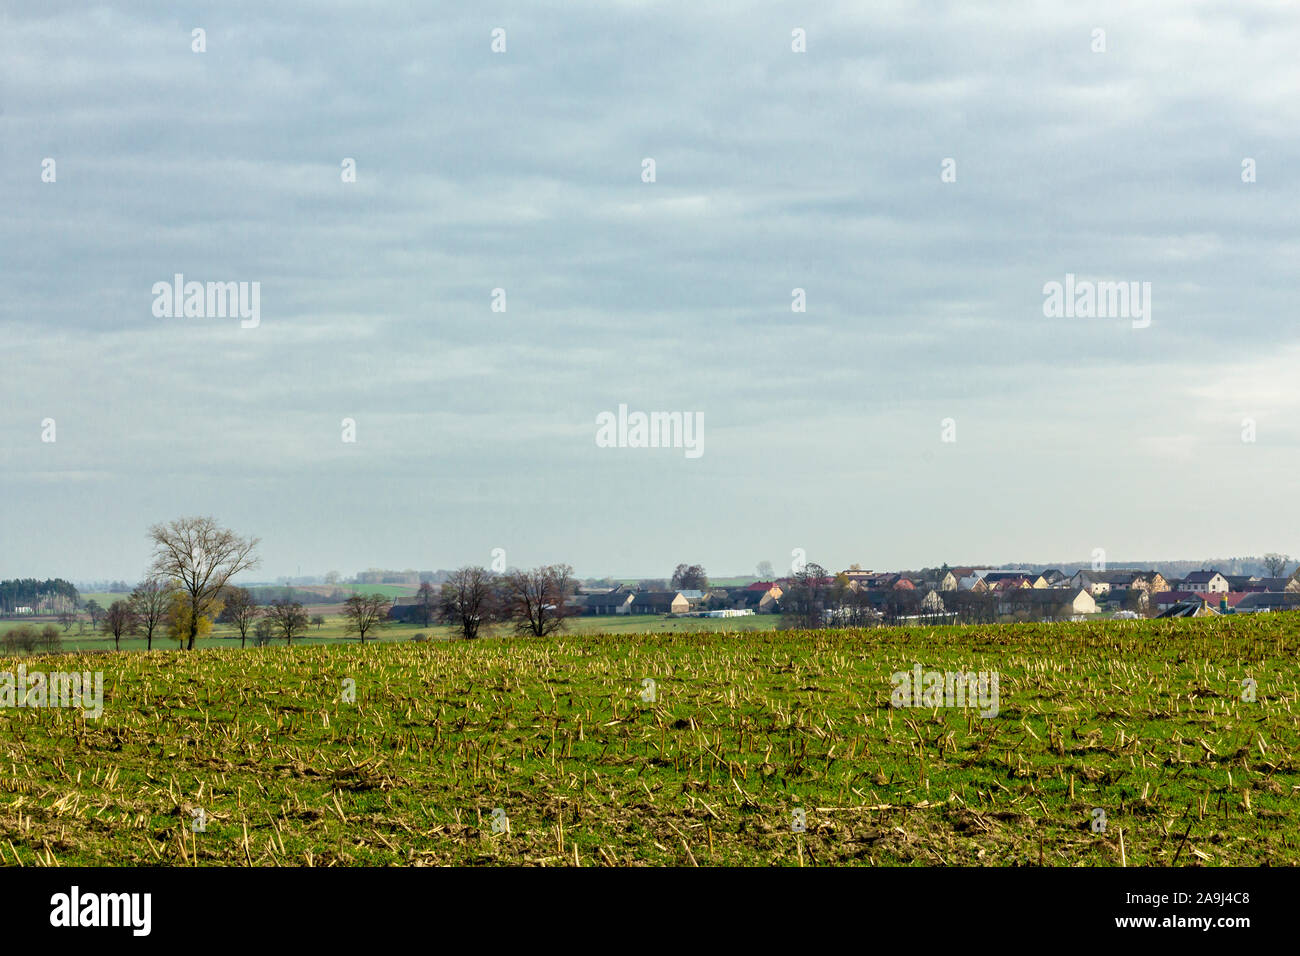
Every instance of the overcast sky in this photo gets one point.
(523, 171)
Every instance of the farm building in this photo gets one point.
(617, 601)
(1269, 601)
(759, 602)
(659, 602)
(1048, 602)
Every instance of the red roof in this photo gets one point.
(1011, 584)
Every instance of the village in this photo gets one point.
(857, 597)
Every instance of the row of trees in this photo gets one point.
(287, 618)
(185, 589)
(197, 558)
(156, 606)
(188, 588)
(27, 637)
(531, 601)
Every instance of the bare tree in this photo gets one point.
(262, 632)
(96, 613)
(241, 610)
(151, 602)
(23, 637)
(535, 599)
(427, 600)
(67, 619)
(364, 612)
(287, 618)
(972, 607)
(51, 640)
(805, 602)
(470, 600)
(1276, 564)
(200, 556)
(853, 606)
(119, 619)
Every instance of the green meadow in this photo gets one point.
(334, 630)
(1153, 743)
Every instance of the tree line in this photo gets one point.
(473, 598)
(54, 594)
(187, 590)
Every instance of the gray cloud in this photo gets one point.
(522, 171)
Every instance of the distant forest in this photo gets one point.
(265, 593)
(52, 596)
(1175, 569)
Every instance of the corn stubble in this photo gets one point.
(1144, 720)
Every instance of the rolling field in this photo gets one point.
(334, 630)
(552, 743)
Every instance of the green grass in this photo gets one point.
(387, 590)
(334, 630)
(104, 598)
(1141, 719)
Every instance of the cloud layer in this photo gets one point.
(775, 170)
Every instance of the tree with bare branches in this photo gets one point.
(242, 610)
(470, 600)
(51, 640)
(364, 612)
(427, 600)
(287, 618)
(151, 601)
(535, 600)
(200, 557)
(119, 619)
(1276, 564)
(262, 632)
(807, 598)
(96, 612)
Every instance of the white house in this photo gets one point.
(1210, 582)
